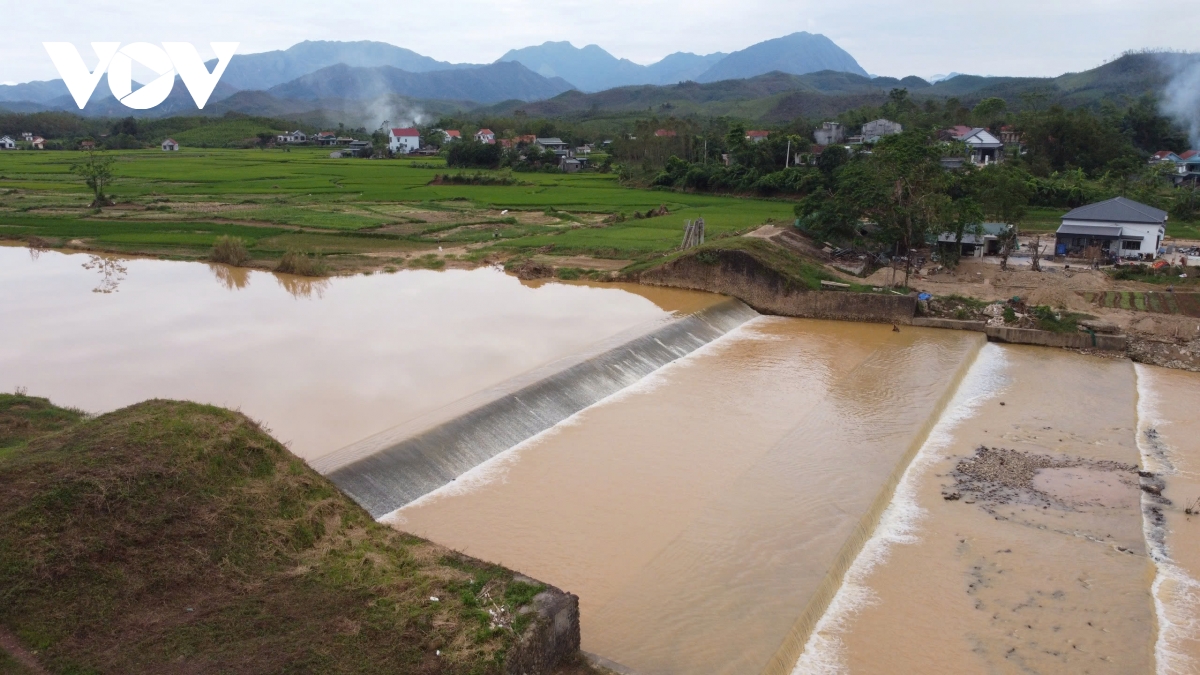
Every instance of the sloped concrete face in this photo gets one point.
(387, 471)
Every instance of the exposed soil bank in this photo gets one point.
(171, 537)
(744, 276)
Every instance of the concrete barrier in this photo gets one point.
(952, 324)
(739, 274)
(1077, 340)
(554, 636)
(1029, 336)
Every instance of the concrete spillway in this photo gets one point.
(391, 469)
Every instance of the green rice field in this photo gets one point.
(180, 202)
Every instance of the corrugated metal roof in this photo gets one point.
(1119, 210)
(1097, 231)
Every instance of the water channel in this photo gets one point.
(726, 492)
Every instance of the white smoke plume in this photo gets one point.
(396, 111)
(1181, 97)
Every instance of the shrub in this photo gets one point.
(303, 264)
(229, 250)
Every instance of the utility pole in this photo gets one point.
(788, 157)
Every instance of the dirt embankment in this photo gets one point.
(773, 281)
(171, 537)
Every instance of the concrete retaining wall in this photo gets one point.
(741, 275)
(1077, 340)
(553, 637)
(1029, 336)
(952, 324)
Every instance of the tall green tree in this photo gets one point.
(96, 170)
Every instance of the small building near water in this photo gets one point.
(984, 241)
(1119, 227)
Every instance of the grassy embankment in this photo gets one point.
(358, 213)
(176, 537)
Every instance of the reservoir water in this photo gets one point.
(322, 362)
(726, 492)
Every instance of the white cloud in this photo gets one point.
(1020, 37)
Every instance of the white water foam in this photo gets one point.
(1176, 593)
(496, 468)
(824, 653)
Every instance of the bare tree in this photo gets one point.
(1036, 263)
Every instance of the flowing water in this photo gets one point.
(323, 362)
(727, 493)
(1076, 570)
(700, 513)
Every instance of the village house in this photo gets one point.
(1165, 156)
(326, 138)
(830, 133)
(27, 136)
(358, 149)
(985, 241)
(296, 136)
(403, 141)
(1119, 227)
(982, 147)
(1188, 170)
(1010, 136)
(449, 135)
(37, 143)
(170, 145)
(7, 143)
(555, 144)
(665, 133)
(485, 136)
(84, 145)
(876, 129)
(757, 136)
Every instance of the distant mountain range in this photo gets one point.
(775, 80)
(324, 70)
(484, 84)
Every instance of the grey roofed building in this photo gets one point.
(986, 241)
(1118, 210)
(552, 143)
(1117, 227)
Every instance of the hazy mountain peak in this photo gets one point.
(796, 54)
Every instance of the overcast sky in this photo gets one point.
(892, 37)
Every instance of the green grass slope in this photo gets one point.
(172, 537)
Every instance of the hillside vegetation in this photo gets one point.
(171, 537)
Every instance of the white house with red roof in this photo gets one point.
(485, 136)
(170, 145)
(403, 141)
(449, 135)
(37, 143)
(757, 136)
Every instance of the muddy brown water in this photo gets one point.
(698, 514)
(719, 516)
(323, 362)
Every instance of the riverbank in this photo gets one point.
(177, 537)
